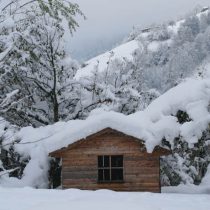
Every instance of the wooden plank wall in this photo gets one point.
(141, 170)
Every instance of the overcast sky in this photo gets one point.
(108, 21)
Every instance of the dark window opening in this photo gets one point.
(110, 168)
(55, 173)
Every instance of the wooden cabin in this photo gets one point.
(110, 159)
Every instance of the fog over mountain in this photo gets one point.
(109, 21)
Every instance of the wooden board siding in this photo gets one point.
(80, 161)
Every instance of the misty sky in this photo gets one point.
(108, 21)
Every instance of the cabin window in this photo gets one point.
(110, 168)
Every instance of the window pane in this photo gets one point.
(106, 161)
(117, 174)
(117, 161)
(100, 175)
(106, 175)
(100, 161)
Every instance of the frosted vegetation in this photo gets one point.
(143, 80)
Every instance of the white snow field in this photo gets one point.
(72, 199)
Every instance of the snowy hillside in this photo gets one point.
(120, 52)
(124, 51)
(162, 55)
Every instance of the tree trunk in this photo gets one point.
(55, 111)
(54, 94)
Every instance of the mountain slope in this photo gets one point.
(162, 55)
(120, 52)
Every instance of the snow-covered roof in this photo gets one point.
(156, 122)
(62, 134)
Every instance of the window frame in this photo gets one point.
(110, 168)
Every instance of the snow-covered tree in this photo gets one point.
(186, 164)
(57, 9)
(34, 62)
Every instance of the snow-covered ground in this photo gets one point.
(32, 199)
(188, 189)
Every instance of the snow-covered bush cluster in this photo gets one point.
(40, 84)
